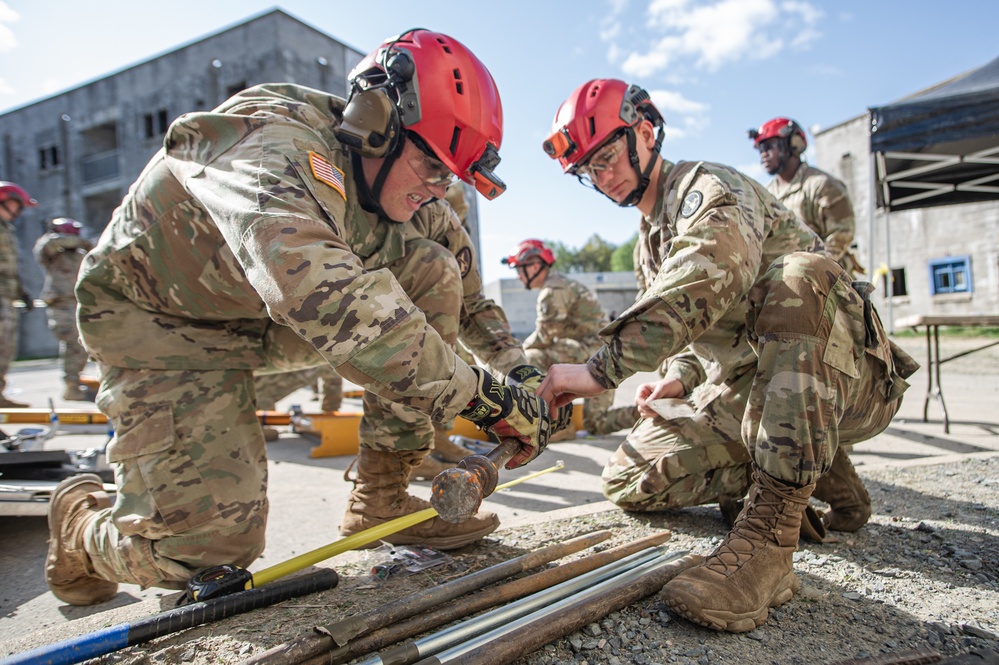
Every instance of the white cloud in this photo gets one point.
(8, 41)
(708, 34)
(667, 100)
(755, 171)
(5, 88)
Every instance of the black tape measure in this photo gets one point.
(215, 582)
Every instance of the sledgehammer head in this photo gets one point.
(457, 493)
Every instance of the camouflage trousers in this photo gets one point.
(599, 414)
(826, 375)
(62, 322)
(10, 321)
(189, 456)
(271, 388)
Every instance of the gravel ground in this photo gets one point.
(921, 574)
(924, 573)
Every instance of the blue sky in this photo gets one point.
(714, 67)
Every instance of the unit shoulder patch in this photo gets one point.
(691, 204)
(464, 258)
(327, 173)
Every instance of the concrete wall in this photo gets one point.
(616, 292)
(910, 239)
(99, 128)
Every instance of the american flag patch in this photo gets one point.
(326, 172)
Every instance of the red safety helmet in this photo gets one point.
(528, 249)
(430, 84)
(10, 190)
(781, 128)
(596, 112)
(66, 225)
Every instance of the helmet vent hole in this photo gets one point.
(458, 86)
(593, 126)
(455, 135)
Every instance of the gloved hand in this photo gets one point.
(530, 377)
(510, 412)
(29, 302)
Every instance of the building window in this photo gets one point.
(897, 286)
(48, 157)
(950, 275)
(155, 124)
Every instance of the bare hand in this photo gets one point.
(649, 392)
(565, 383)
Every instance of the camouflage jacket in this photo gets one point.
(566, 310)
(61, 255)
(712, 234)
(11, 287)
(823, 203)
(249, 215)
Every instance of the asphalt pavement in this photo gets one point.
(308, 495)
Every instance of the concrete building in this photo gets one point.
(940, 260)
(616, 292)
(78, 151)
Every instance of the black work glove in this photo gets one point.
(510, 412)
(531, 377)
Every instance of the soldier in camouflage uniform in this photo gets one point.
(565, 331)
(60, 253)
(286, 229)
(13, 200)
(789, 353)
(818, 199)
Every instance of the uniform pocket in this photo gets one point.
(157, 478)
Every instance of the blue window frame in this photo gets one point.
(950, 275)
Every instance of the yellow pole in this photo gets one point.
(364, 537)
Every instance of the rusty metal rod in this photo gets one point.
(507, 643)
(341, 632)
(511, 613)
(466, 607)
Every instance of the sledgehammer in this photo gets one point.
(457, 493)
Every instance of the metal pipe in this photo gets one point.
(505, 615)
(471, 605)
(339, 633)
(506, 644)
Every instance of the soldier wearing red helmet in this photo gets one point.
(569, 316)
(786, 352)
(819, 200)
(287, 229)
(13, 200)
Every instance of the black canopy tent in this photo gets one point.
(940, 147)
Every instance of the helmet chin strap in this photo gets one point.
(530, 280)
(370, 197)
(644, 176)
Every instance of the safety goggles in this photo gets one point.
(426, 165)
(605, 159)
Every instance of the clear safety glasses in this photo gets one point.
(605, 159)
(426, 165)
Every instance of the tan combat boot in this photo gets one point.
(11, 404)
(752, 570)
(76, 502)
(812, 526)
(844, 491)
(74, 392)
(379, 495)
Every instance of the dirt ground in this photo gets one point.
(924, 573)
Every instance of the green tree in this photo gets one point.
(623, 258)
(594, 256)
